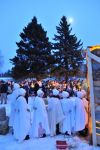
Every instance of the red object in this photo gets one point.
(61, 145)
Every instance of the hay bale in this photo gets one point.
(4, 128)
(2, 114)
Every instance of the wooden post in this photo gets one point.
(92, 104)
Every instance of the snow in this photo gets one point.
(7, 142)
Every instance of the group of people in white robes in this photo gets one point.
(28, 119)
(72, 116)
(31, 118)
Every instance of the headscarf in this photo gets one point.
(65, 94)
(22, 92)
(79, 94)
(55, 92)
(40, 93)
(16, 86)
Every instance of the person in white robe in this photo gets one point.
(21, 123)
(80, 116)
(73, 115)
(67, 108)
(55, 113)
(12, 99)
(40, 124)
(31, 99)
(86, 105)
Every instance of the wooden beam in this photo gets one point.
(90, 77)
(92, 56)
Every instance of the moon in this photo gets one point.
(70, 20)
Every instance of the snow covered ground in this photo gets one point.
(7, 142)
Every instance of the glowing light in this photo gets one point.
(70, 19)
(94, 47)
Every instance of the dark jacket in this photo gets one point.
(3, 88)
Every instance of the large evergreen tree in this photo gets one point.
(33, 53)
(67, 49)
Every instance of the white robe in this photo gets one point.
(30, 106)
(40, 116)
(67, 109)
(55, 114)
(12, 99)
(31, 102)
(73, 115)
(78, 116)
(21, 123)
(85, 103)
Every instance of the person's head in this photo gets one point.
(22, 92)
(40, 93)
(80, 94)
(16, 86)
(55, 92)
(65, 94)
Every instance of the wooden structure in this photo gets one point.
(93, 64)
